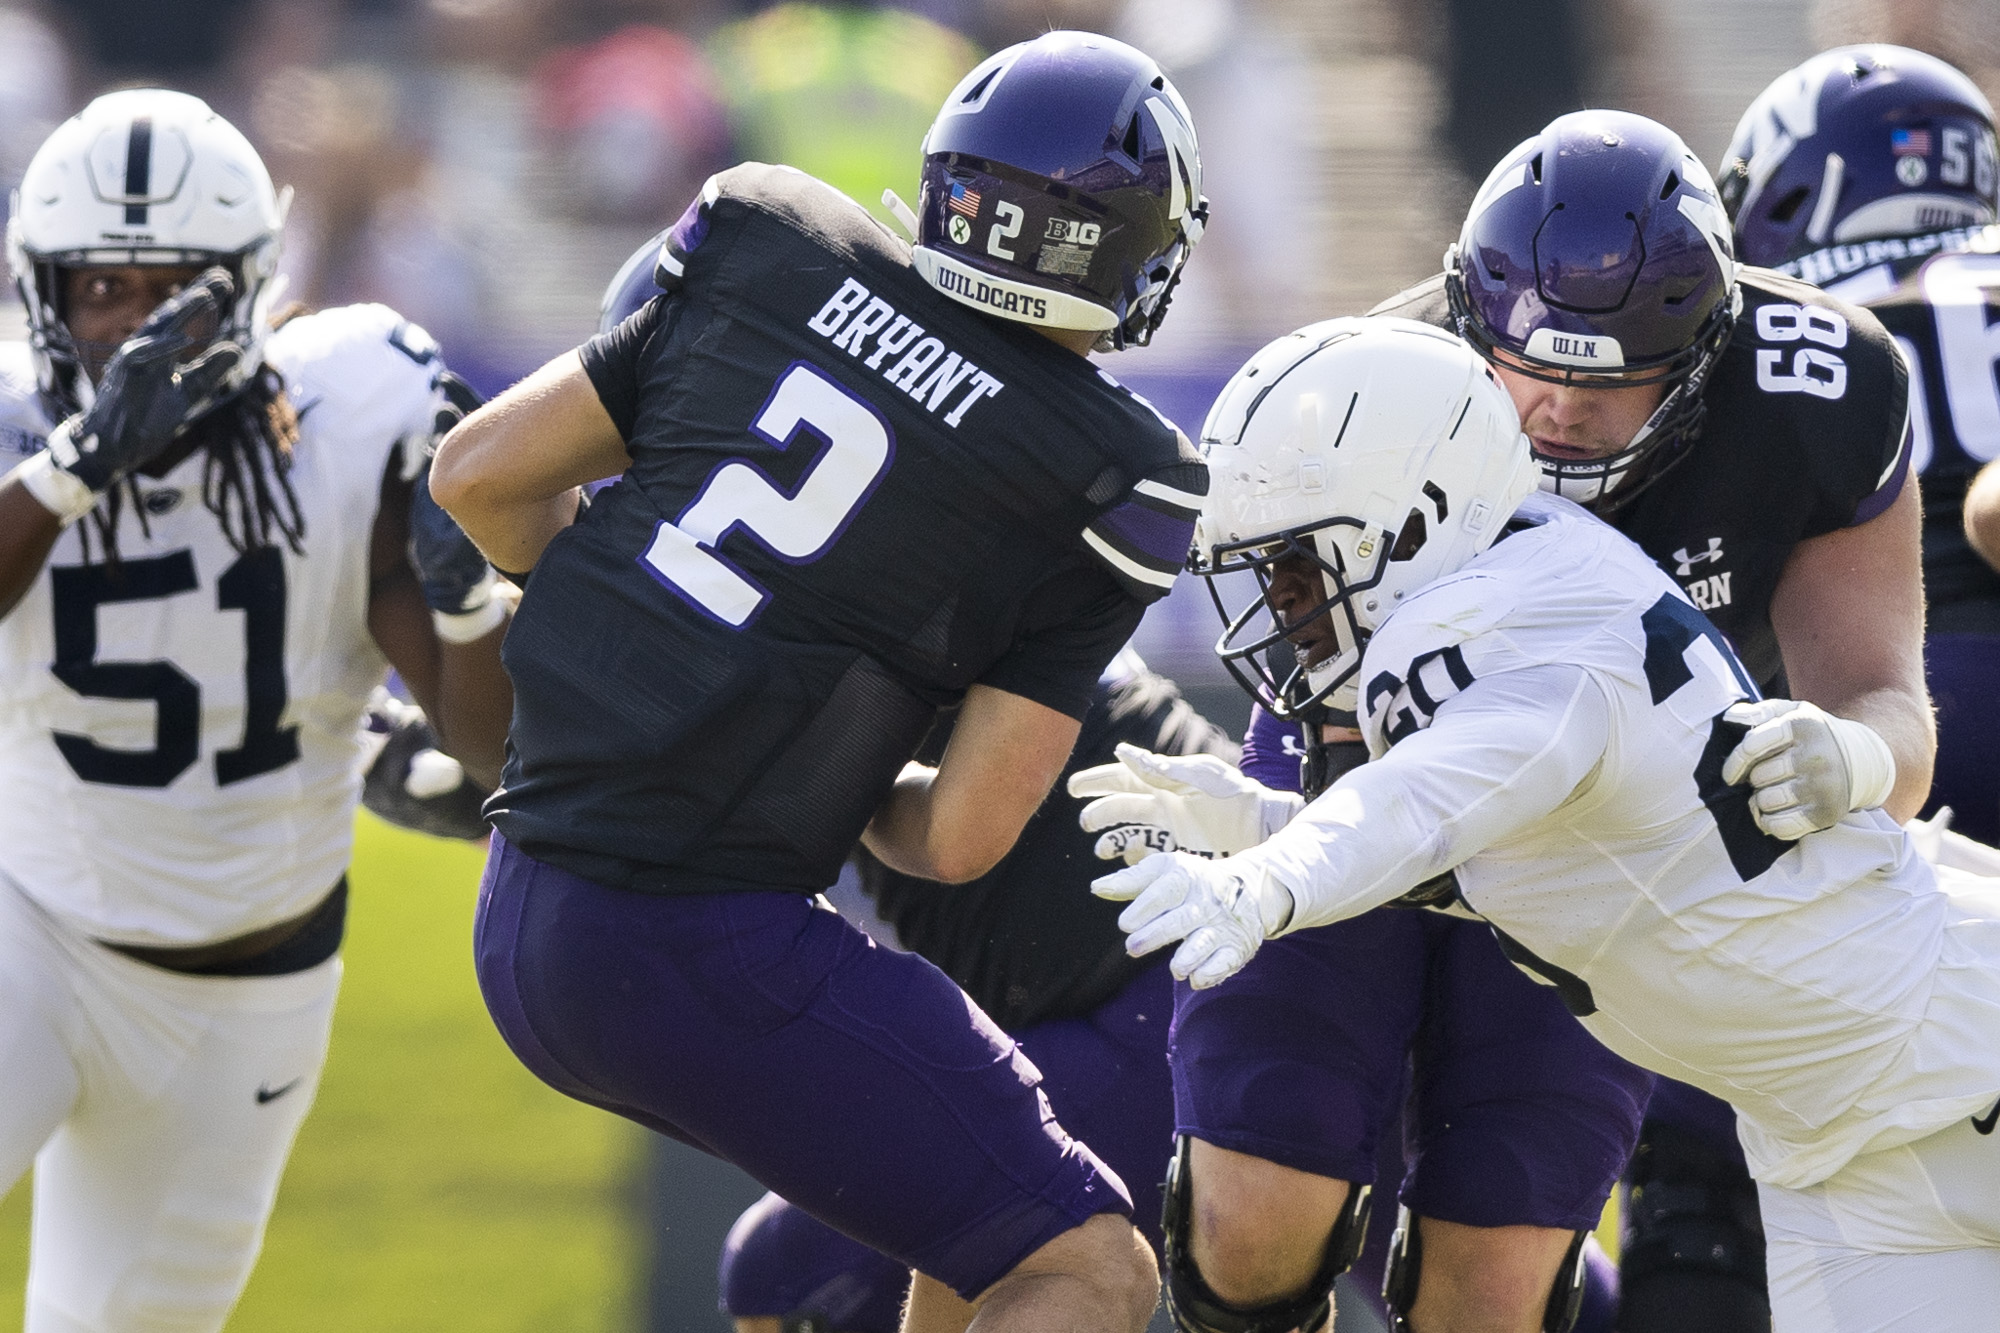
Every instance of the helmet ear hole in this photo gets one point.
(1783, 211)
(1411, 539)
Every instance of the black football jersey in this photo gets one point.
(850, 498)
(1939, 297)
(1027, 940)
(1805, 434)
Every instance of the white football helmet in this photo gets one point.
(142, 176)
(1383, 451)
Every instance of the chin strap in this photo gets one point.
(905, 216)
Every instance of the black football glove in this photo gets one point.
(454, 575)
(411, 783)
(146, 395)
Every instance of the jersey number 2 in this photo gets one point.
(798, 528)
(254, 585)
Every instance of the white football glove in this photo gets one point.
(1149, 803)
(1222, 914)
(1807, 768)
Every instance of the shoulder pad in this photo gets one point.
(804, 202)
(1548, 593)
(1145, 532)
(363, 367)
(1422, 655)
(1416, 302)
(1827, 374)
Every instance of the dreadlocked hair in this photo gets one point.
(246, 477)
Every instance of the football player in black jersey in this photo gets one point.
(1048, 963)
(860, 481)
(1749, 433)
(1870, 171)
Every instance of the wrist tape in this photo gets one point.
(57, 491)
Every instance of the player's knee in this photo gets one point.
(1257, 1230)
(1278, 1271)
(1445, 1275)
(1107, 1253)
(1129, 1271)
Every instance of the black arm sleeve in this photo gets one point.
(612, 360)
(1074, 622)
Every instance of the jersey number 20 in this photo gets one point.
(798, 528)
(254, 585)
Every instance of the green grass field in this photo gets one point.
(437, 1184)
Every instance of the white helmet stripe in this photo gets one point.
(1183, 156)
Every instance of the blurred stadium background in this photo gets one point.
(485, 165)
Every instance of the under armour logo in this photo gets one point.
(1688, 562)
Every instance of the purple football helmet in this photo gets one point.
(1858, 143)
(1599, 249)
(634, 284)
(1062, 187)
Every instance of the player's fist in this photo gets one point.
(1148, 803)
(410, 782)
(1806, 768)
(1221, 912)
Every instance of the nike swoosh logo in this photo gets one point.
(265, 1094)
(1986, 1122)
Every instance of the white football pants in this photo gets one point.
(1905, 1240)
(158, 1110)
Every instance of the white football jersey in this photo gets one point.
(179, 734)
(1547, 725)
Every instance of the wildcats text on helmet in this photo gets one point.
(923, 367)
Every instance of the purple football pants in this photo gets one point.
(858, 1082)
(1516, 1116)
(1105, 1075)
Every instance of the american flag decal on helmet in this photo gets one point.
(1915, 143)
(963, 200)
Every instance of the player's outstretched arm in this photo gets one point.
(1498, 757)
(1849, 615)
(954, 823)
(510, 472)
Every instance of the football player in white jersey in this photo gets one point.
(212, 544)
(1549, 718)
